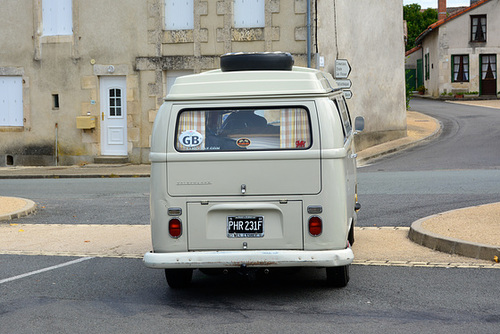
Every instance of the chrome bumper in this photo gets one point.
(265, 258)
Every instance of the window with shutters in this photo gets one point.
(11, 101)
(169, 78)
(57, 17)
(249, 13)
(478, 28)
(179, 14)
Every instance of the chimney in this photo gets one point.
(441, 9)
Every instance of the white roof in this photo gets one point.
(246, 84)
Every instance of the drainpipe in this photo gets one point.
(57, 145)
(309, 33)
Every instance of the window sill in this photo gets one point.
(247, 34)
(4, 128)
(57, 39)
(178, 36)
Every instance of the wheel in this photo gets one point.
(212, 271)
(350, 237)
(337, 277)
(179, 278)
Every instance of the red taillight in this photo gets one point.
(315, 226)
(175, 227)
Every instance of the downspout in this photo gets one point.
(309, 33)
(57, 144)
(336, 36)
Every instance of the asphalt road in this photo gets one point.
(120, 296)
(470, 140)
(41, 294)
(83, 201)
(459, 169)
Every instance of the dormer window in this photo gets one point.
(478, 28)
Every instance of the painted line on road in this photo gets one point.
(425, 264)
(65, 264)
(382, 228)
(74, 254)
(388, 263)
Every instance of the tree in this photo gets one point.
(417, 21)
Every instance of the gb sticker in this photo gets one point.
(191, 138)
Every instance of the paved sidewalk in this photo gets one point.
(85, 171)
(469, 231)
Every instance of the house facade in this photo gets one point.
(459, 53)
(81, 81)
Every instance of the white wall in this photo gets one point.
(369, 34)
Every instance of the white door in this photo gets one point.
(113, 116)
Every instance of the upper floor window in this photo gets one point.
(478, 28)
(179, 14)
(460, 68)
(249, 13)
(57, 17)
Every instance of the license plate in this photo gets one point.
(245, 227)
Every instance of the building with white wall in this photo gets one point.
(460, 52)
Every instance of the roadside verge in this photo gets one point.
(14, 207)
(472, 232)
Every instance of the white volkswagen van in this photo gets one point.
(253, 167)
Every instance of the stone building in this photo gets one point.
(459, 53)
(81, 81)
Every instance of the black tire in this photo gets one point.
(337, 277)
(212, 271)
(179, 278)
(350, 237)
(258, 61)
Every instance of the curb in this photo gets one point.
(73, 176)
(450, 245)
(399, 148)
(29, 208)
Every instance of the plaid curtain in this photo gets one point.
(294, 129)
(191, 120)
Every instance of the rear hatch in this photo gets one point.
(244, 225)
(224, 160)
(237, 151)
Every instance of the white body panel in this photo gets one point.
(279, 186)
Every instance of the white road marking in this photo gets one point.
(45, 269)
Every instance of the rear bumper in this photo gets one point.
(234, 259)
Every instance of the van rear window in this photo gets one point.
(243, 129)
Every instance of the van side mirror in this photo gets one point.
(359, 124)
